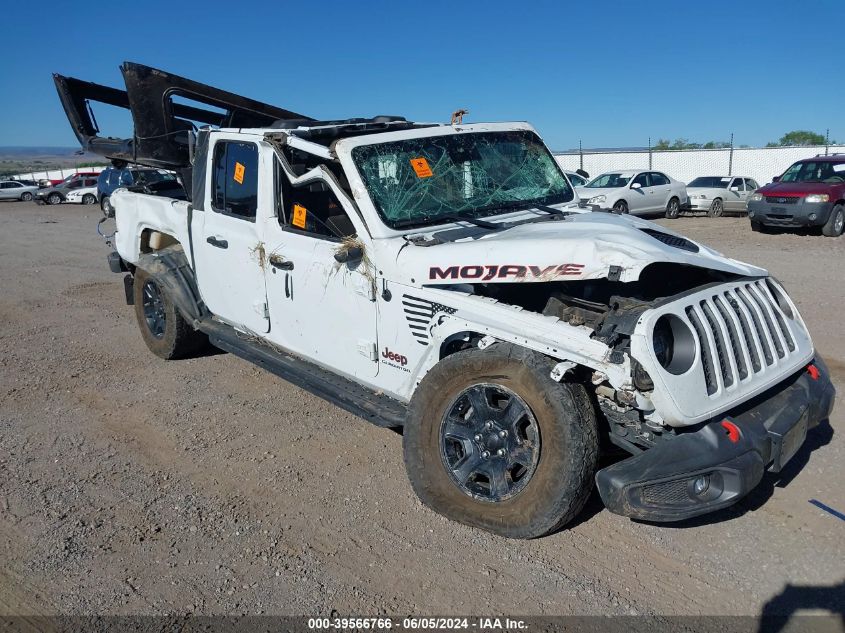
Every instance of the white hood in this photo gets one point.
(582, 246)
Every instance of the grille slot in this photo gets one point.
(670, 493)
(740, 331)
(782, 200)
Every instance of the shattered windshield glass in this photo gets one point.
(425, 180)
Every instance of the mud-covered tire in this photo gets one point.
(568, 444)
(835, 223)
(175, 338)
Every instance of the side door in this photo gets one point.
(7, 190)
(736, 196)
(228, 248)
(320, 308)
(662, 187)
(641, 198)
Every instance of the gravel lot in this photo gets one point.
(133, 485)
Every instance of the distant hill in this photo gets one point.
(18, 160)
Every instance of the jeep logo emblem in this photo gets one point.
(396, 358)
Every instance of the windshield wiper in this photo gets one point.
(550, 210)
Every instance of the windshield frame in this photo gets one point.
(362, 194)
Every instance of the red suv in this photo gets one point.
(810, 193)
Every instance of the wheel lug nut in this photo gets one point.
(500, 452)
(489, 425)
(503, 433)
(478, 437)
(485, 454)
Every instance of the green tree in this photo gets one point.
(798, 137)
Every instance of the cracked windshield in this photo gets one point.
(425, 180)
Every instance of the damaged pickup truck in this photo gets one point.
(441, 278)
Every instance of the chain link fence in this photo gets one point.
(761, 164)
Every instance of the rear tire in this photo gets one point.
(545, 462)
(621, 207)
(717, 209)
(89, 198)
(673, 208)
(164, 330)
(835, 223)
(26, 196)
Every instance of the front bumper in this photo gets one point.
(698, 204)
(796, 214)
(725, 457)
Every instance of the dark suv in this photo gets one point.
(810, 193)
(143, 179)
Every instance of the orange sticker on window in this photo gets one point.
(239, 173)
(299, 213)
(421, 168)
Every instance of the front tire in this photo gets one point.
(164, 330)
(673, 208)
(835, 223)
(717, 209)
(26, 196)
(621, 207)
(493, 442)
(54, 198)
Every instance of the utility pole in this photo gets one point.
(826, 141)
(731, 157)
(581, 154)
(649, 153)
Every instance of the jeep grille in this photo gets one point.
(741, 332)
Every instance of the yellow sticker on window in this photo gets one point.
(239, 173)
(299, 213)
(421, 168)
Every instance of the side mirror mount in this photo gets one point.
(636, 185)
(776, 179)
(349, 255)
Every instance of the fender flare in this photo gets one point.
(170, 268)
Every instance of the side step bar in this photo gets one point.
(379, 409)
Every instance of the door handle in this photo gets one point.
(217, 243)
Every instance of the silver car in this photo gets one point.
(13, 190)
(720, 194)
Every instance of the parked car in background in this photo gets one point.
(141, 179)
(14, 190)
(25, 182)
(69, 179)
(811, 193)
(638, 192)
(577, 179)
(58, 194)
(720, 194)
(83, 195)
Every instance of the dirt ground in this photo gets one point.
(131, 485)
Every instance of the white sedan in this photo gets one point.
(718, 194)
(635, 191)
(85, 195)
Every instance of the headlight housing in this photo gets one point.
(673, 344)
(698, 196)
(597, 199)
(817, 197)
(755, 197)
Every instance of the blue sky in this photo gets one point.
(608, 73)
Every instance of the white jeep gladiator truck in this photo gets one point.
(439, 278)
